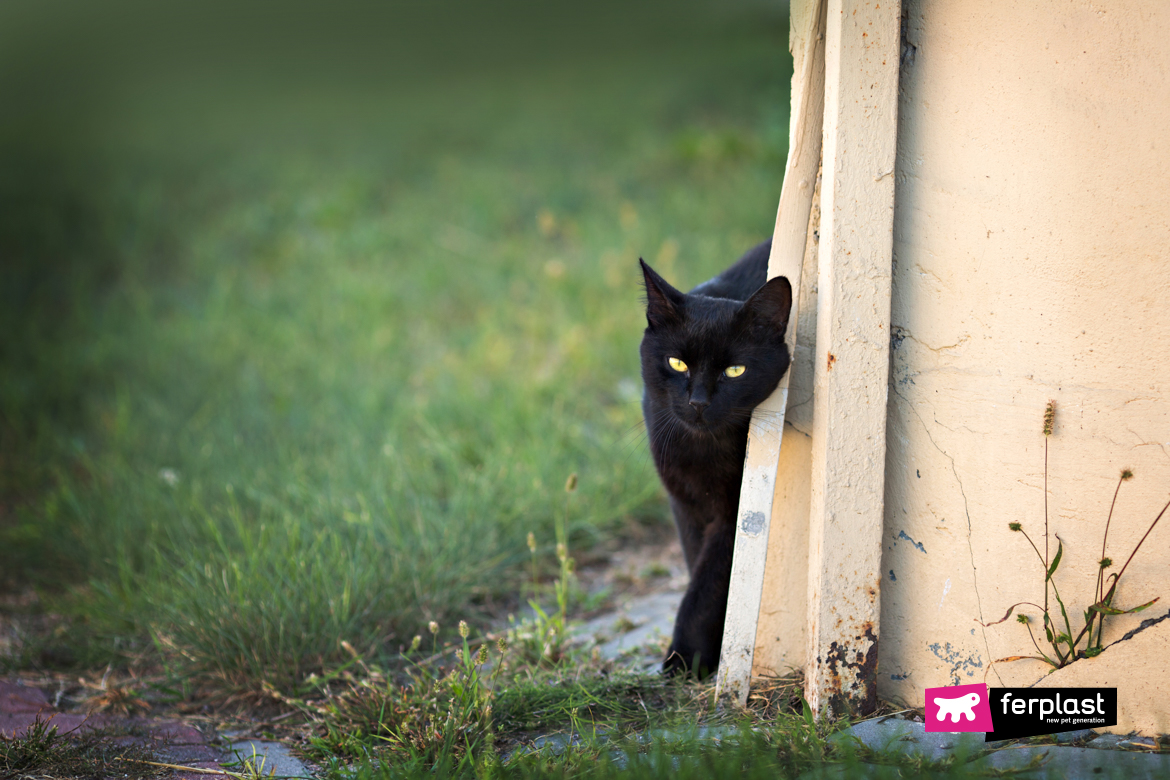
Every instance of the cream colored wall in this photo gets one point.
(1031, 262)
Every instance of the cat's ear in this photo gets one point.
(663, 302)
(771, 304)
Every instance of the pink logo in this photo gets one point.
(958, 708)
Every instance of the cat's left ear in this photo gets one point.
(771, 304)
(663, 302)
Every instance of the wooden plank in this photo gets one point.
(780, 629)
(765, 434)
(862, 47)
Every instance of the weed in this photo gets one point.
(1064, 647)
(44, 752)
(123, 698)
(438, 713)
(544, 637)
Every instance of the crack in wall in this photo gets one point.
(1147, 623)
(900, 334)
(1141, 442)
(967, 512)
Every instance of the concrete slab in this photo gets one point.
(1073, 763)
(277, 758)
(909, 737)
(1052, 762)
(1106, 742)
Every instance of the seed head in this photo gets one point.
(1015, 527)
(502, 645)
(481, 656)
(532, 542)
(464, 629)
(1106, 563)
(1022, 618)
(1126, 474)
(414, 643)
(433, 627)
(1049, 417)
(571, 483)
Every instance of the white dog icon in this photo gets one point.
(954, 707)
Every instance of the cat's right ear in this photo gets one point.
(771, 304)
(663, 302)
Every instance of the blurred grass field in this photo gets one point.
(307, 317)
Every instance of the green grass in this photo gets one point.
(487, 713)
(303, 355)
(591, 725)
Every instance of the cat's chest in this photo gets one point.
(700, 468)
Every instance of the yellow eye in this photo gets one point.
(677, 364)
(734, 371)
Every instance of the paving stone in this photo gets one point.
(22, 698)
(174, 742)
(1106, 742)
(14, 725)
(277, 758)
(17, 724)
(143, 741)
(1078, 763)
(186, 754)
(172, 731)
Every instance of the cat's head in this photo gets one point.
(708, 362)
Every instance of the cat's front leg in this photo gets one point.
(698, 627)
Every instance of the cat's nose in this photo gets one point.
(700, 406)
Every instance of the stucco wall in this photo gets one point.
(1031, 262)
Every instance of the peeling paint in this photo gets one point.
(851, 687)
(904, 535)
(954, 657)
(752, 523)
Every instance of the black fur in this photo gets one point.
(697, 423)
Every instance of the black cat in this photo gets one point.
(708, 358)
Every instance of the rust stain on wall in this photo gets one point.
(851, 674)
